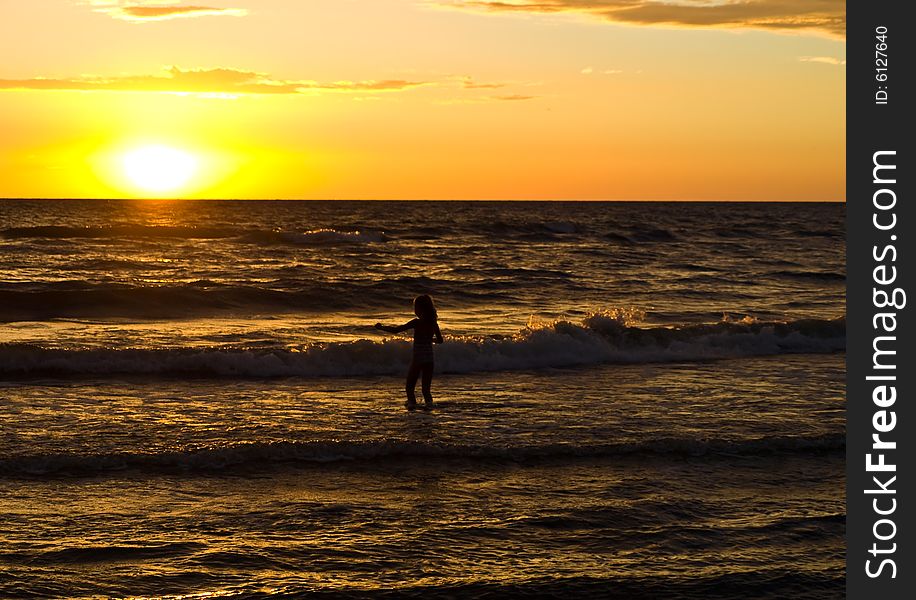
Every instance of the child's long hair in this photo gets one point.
(424, 308)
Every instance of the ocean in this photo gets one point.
(633, 400)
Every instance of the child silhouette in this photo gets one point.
(425, 332)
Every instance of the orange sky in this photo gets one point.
(554, 99)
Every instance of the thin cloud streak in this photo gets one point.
(162, 13)
(820, 16)
(512, 97)
(140, 11)
(827, 60)
(206, 81)
(470, 85)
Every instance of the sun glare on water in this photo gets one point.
(159, 169)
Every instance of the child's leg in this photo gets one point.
(412, 374)
(427, 382)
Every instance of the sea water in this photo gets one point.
(633, 399)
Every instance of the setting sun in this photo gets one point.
(159, 168)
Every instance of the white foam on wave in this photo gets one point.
(332, 236)
(606, 337)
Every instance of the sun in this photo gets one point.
(159, 169)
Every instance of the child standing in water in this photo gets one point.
(425, 332)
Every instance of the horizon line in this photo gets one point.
(129, 199)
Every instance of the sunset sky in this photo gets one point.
(413, 99)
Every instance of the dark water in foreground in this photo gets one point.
(635, 400)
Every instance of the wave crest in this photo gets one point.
(259, 454)
(315, 237)
(606, 337)
(322, 236)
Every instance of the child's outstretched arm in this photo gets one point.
(438, 336)
(396, 328)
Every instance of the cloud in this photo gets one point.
(590, 70)
(822, 16)
(161, 13)
(206, 81)
(511, 97)
(469, 83)
(361, 86)
(473, 85)
(484, 99)
(159, 10)
(827, 60)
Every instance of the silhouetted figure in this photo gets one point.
(425, 332)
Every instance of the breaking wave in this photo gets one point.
(601, 338)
